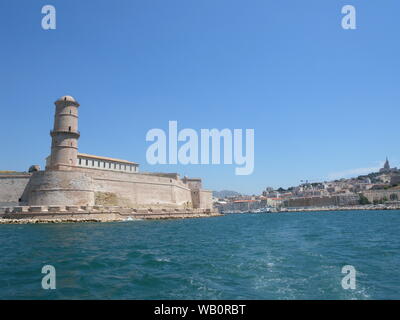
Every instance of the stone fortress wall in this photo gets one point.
(89, 187)
(139, 190)
(336, 200)
(12, 187)
(377, 195)
(58, 187)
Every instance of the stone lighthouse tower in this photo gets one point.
(60, 184)
(65, 135)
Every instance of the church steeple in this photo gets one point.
(387, 165)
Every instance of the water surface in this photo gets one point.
(246, 256)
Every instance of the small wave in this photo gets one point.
(163, 260)
(132, 219)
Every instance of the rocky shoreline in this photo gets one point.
(314, 209)
(345, 208)
(73, 214)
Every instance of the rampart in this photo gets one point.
(336, 200)
(89, 187)
(138, 190)
(12, 187)
(385, 195)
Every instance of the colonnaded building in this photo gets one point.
(77, 179)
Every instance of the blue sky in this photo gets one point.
(323, 101)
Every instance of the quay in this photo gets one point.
(60, 214)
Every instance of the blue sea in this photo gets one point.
(246, 256)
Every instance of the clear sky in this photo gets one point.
(323, 101)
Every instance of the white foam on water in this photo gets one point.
(163, 259)
(132, 219)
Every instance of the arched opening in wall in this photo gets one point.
(69, 129)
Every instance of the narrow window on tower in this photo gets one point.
(69, 129)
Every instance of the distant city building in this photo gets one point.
(386, 168)
(274, 202)
(395, 180)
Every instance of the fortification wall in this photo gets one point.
(138, 190)
(377, 195)
(12, 188)
(88, 187)
(205, 199)
(59, 188)
(337, 200)
(201, 199)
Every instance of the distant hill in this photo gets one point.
(225, 194)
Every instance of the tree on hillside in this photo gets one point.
(363, 200)
(394, 197)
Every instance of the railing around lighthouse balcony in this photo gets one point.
(76, 133)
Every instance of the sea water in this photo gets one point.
(246, 256)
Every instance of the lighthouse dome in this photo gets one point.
(68, 99)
